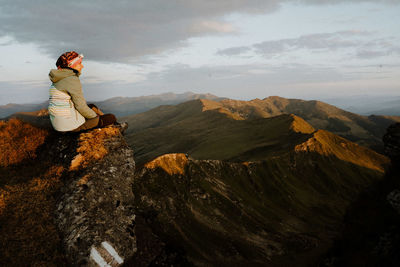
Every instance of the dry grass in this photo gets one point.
(328, 144)
(91, 147)
(19, 141)
(170, 163)
(28, 235)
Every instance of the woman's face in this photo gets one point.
(78, 67)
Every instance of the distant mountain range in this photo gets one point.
(120, 106)
(204, 128)
(367, 105)
(124, 106)
(9, 109)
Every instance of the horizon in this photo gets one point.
(239, 50)
(378, 98)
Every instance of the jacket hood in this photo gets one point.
(56, 75)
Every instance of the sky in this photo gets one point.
(241, 49)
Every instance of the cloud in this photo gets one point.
(7, 43)
(318, 41)
(212, 26)
(233, 51)
(124, 31)
(241, 81)
(111, 32)
(332, 2)
(367, 54)
(364, 48)
(27, 91)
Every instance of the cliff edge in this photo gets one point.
(65, 198)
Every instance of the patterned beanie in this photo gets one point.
(68, 60)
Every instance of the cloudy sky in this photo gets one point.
(242, 49)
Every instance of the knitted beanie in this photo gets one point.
(65, 59)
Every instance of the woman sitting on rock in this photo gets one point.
(68, 109)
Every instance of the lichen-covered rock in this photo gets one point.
(94, 212)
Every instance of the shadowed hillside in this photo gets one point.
(283, 211)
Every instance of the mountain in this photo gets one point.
(368, 105)
(282, 211)
(248, 190)
(388, 108)
(275, 192)
(120, 106)
(376, 241)
(192, 126)
(6, 110)
(123, 106)
(362, 129)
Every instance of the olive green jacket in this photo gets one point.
(67, 106)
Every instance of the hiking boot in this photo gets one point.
(106, 120)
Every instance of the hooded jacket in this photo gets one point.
(67, 106)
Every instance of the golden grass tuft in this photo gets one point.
(300, 126)
(170, 163)
(84, 180)
(19, 141)
(91, 147)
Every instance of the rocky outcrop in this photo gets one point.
(65, 198)
(392, 149)
(392, 143)
(94, 212)
(371, 231)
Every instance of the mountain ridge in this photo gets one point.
(367, 131)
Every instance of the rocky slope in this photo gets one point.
(282, 211)
(370, 234)
(65, 199)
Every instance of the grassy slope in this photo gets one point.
(364, 130)
(320, 115)
(212, 134)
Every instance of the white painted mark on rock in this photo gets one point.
(112, 252)
(95, 255)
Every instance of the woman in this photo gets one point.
(68, 109)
